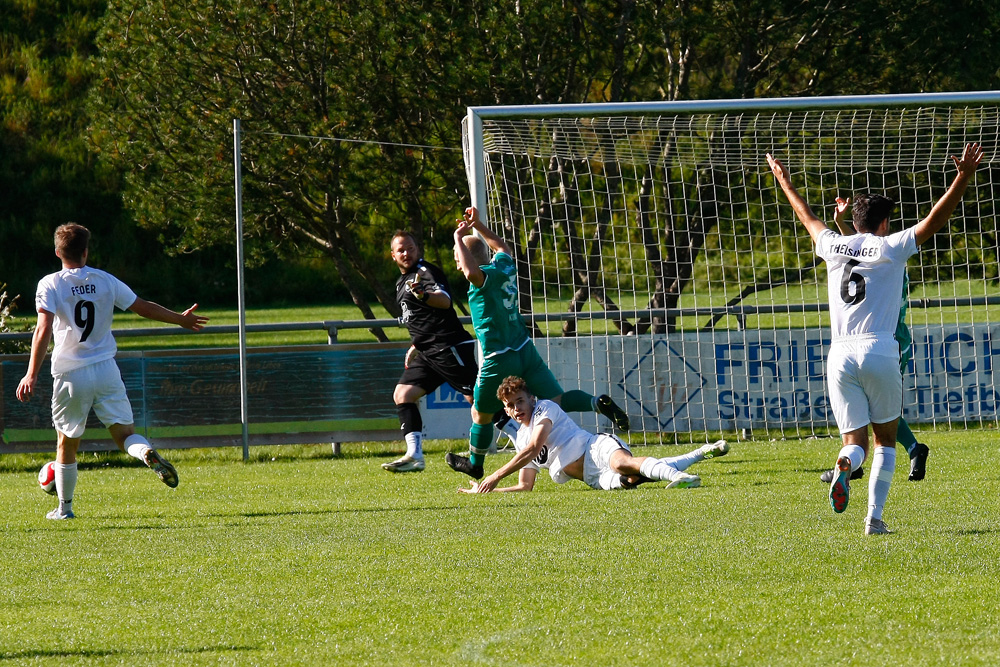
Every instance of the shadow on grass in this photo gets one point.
(48, 528)
(355, 510)
(115, 461)
(973, 531)
(27, 655)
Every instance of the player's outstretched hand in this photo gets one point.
(842, 205)
(473, 487)
(192, 320)
(466, 224)
(969, 161)
(463, 228)
(417, 289)
(778, 169)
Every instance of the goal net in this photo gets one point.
(659, 262)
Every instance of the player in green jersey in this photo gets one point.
(505, 346)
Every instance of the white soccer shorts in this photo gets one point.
(597, 472)
(98, 386)
(865, 383)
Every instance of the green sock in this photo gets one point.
(480, 439)
(576, 400)
(904, 436)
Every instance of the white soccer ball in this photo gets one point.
(47, 478)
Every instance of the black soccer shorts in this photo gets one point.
(455, 365)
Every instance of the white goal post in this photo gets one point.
(658, 261)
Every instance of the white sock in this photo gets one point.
(137, 446)
(610, 480)
(66, 474)
(685, 461)
(414, 444)
(883, 466)
(855, 453)
(658, 469)
(510, 429)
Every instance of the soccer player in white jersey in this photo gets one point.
(548, 438)
(917, 451)
(865, 278)
(75, 306)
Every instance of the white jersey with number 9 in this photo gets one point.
(83, 302)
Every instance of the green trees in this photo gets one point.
(47, 174)
(165, 81)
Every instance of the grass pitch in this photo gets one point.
(298, 557)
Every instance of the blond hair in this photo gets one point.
(480, 251)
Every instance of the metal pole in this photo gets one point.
(476, 166)
(241, 304)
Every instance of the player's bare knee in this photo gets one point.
(625, 464)
(407, 393)
(885, 434)
(120, 432)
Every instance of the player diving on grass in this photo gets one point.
(917, 451)
(549, 439)
(76, 306)
(506, 349)
(441, 350)
(865, 279)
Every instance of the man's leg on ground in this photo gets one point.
(917, 451)
(66, 475)
(652, 469)
(852, 454)
(412, 426)
(480, 439)
(883, 466)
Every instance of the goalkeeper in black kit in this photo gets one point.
(441, 351)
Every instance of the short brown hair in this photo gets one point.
(870, 210)
(402, 233)
(72, 241)
(511, 386)
(478, 248)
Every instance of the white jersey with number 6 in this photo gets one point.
(865, 278)
(83, 302)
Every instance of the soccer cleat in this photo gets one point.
(162, 468)
(840, 487)
(827, 476)
(918, 462)
(58, 516)
(685, 481)
(715, 450)
(876, 527)
(463, 465)
(633, 481)
(610, 409)
(405, 464)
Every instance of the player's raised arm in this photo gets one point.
(154, 311)
(813, 225)
(467, 264)
(495, 243)
(936, 219)
(839, 214)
